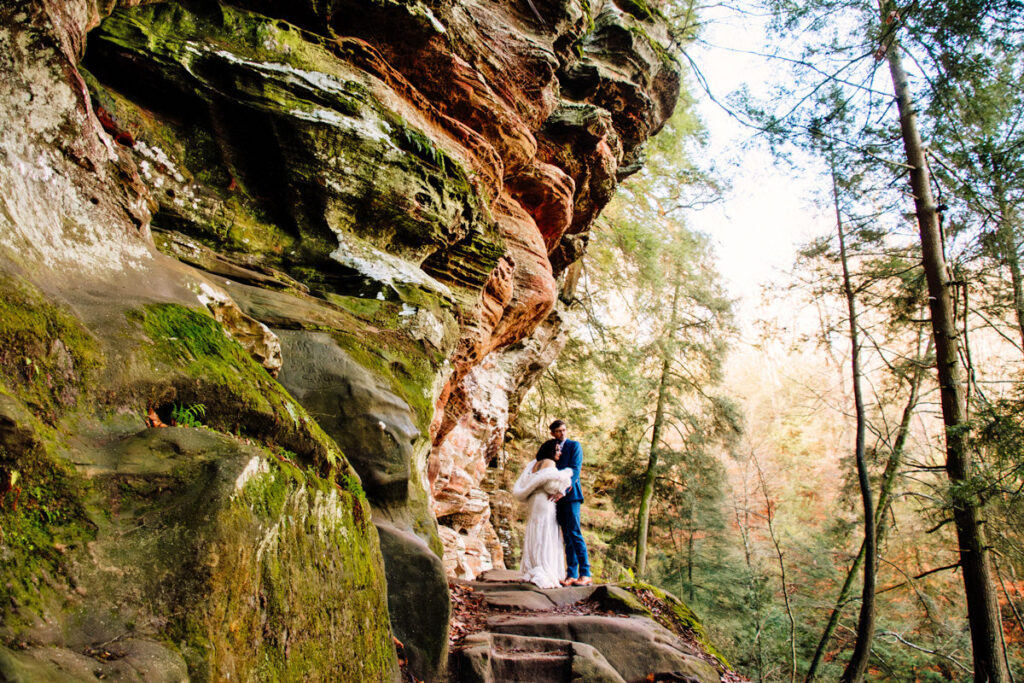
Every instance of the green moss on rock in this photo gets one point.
(254, 567)
(408, 368)
(667, 58)
(333, 160)
(239, 395)
(675, 615)
(642, 10)
(46, 355)
(41, 519)
(307, 558)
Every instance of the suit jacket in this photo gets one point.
(572, 459)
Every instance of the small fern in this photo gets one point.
(188, 416)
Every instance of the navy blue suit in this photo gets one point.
(567, 511)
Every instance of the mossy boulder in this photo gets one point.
(673, 613)
(227, 556)
(190, 359)
(47, 357)
(172, 552)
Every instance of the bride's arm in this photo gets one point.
(526, 483)
(557, 481)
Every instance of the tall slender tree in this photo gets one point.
(858, 663)
(979, 587)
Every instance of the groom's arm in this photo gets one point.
(573, 455)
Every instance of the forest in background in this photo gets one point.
(834, 483)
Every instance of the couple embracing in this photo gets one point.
(554, 551)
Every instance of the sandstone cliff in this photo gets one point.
(333, 234)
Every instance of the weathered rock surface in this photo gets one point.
(595, 633)
(370, 201)
(418, 599)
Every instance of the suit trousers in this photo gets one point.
(577, 563)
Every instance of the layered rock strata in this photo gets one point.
(329, 231)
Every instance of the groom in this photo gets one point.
(567, 509)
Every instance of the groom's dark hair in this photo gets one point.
(556, 424)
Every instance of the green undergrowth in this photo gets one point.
(46, 357)
(674, 614)
(239, 396)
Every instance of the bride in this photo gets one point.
(540, 484)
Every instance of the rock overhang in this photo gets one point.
(405, 179)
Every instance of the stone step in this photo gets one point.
(635, 646)
(539, 636)
(532, 666)
(501, 658)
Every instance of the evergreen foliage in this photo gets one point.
(762, 544)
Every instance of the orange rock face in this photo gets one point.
(565, 106)
(460, 150)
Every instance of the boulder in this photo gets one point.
(204, 558)
(374, 427)
(418, 600)
(131, 660)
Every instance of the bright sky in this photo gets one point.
(768, 211)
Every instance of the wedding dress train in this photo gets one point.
(543, 553)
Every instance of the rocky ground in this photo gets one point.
(505, 630)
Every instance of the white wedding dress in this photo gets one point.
(543, 553)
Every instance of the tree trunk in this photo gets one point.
(754, 600)
(770, 518)
(689, 566)
(643, 515)
(892, 468)
(1006, 245)
(858, 664)
(1013, 261)
(982, 606)
(833, 618)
